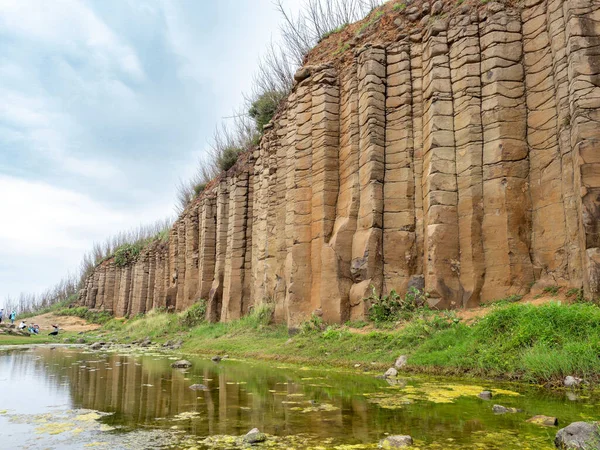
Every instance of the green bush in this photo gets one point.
(127, 254)
(194, 315)
(387, 308)
(199, 188)
(264, 108)
(228, 157)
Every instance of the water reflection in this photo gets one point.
(144, 391)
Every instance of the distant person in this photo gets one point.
(55, 332)
(22, 325)
(1, 314)
(13, 316)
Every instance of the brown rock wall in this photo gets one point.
(462, 153)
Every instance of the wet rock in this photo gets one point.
(198, 387)
(398, 441)
(401, 362)
(216, 358)
(572, 381)
(486, 395)
(578, 436)
(254, 436)
(390, 373)
(181, 364)
(546, 421)
(97, 345)
(499, 409)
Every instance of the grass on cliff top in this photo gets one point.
(516, 341)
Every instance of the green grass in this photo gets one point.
(98, 317)
(399, 6)
(334, 31)
(513, 341)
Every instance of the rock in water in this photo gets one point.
(486, 395)
(401, 362)
(181, 364)
(572, 381)
(216, 358)
(398, 441)
(254, 436)
(578, 436)
(97, 345)
(390, 373)
(499, 409)
(546, 421)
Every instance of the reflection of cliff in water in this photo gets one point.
(138, 390)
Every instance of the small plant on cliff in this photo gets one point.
(194, 315)
(399, 6)
(264, 107)
(127, 254)
(386, 308)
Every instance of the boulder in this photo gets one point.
(499, 409)
(216, 358)
(97, 345)
(545, 421)
(302, 74)
(254, 436)
(437, 7)
(398, 441)
(486, 395)
(401, 362)
(181, 364)
(80, 341)
(578, 436)
(390, 373)
(572, 381)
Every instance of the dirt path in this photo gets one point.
(65, 323)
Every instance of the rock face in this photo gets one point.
(462, 154)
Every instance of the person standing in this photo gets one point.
(1, 314)
(13, 316)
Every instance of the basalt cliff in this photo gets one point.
(450, 147)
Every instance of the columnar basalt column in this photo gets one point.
(206, 257)
(99, 304)
(181, 264)
(124, 292)
(109, 287)
(555, 24)
(347, 201)
(582, 24)
(215, 295)
(151, 277)
(399, 239)
(440, 197)
(367, 252)
(233, 274)
(548, 238)
(325, 184)
(192, 236)
(507, 206)
(416, 75)
(465, 72)
(298, 271)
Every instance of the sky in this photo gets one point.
(105, 106)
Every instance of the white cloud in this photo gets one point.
(70, 25)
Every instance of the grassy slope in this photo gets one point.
(519, 341)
